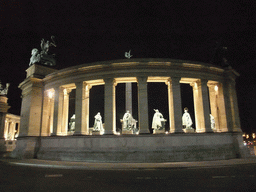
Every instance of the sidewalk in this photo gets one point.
(127, 166)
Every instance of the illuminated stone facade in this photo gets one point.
(45, 101)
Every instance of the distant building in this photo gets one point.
(9, 123)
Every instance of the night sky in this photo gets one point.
(103, 30)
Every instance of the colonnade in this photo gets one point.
(210, 97)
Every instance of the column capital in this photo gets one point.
(141, 79)
(87, 86)
(175, 79)
(168, 81)
(204, 81)
(110, 81)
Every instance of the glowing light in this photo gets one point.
(216, 88)
(247, 136)
(166, 132)
(137, 133)
(65, 91)
(253, 135)
(50, 94)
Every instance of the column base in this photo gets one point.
(143, 131)
(161, 131)
(97, 133)
(189, 130)
(108, 132)
(127, 132)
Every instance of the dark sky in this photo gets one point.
(103, 30)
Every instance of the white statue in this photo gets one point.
(72, 123)
(98, 123)
(158, 120)
(212, 122)
(186, 119)
(35, 58)
(128, 122)
(4, 91)
(128, 54)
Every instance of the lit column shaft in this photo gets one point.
(197, 95)
(110, 106)
(58, 97)
(213, 94)
(170, 106)
(221, 109)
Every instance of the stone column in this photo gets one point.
(230, 99)
(221, 109)
(206, 106)
(12, 130)
(198, 106)
(143, 104)
(213, 94)
(236, 127)
(3, 111)
(18, 131)
(177, 104)
(110, 106)
(31, 107)
(64, 126)
(226, 91)
(47, 124)
(44, 131)
(128, 97)
(58, 97)
(170, 106)
(2, 129)
(82, 109)
(6, 128)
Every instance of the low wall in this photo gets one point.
(142, 148)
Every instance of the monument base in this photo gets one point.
(161, 131)
(144, 148)
(2, 145)
(26, 148)
(10, 145)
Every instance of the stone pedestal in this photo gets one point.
(189, 130)
(96, 133)
(127, 132)
(161, 131)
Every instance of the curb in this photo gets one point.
(128, 166)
